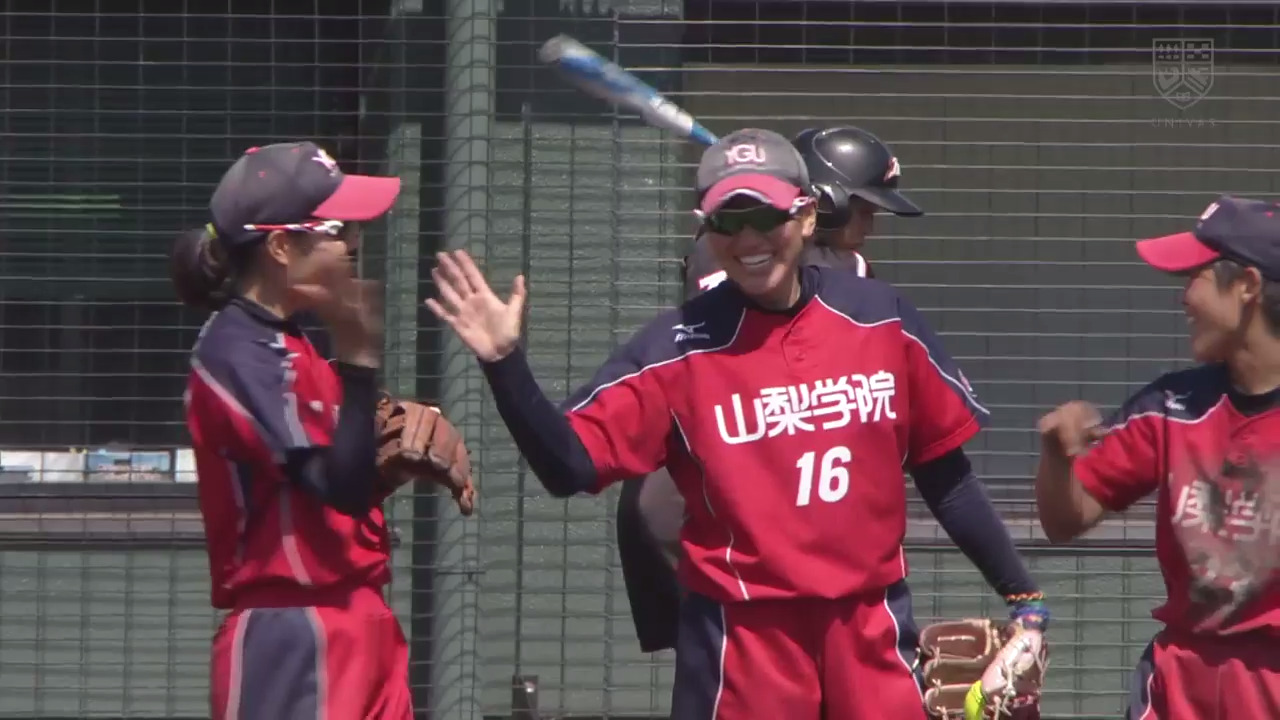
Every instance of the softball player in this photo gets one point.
(284, 443)
(1206, 441)
(788, 448)
(854, 175)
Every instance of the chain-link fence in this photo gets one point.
(1040, 139)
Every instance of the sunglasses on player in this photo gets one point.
(762, 218)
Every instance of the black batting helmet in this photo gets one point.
(846, 161)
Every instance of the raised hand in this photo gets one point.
(1071, 428)
(351, 309)
(486, 324)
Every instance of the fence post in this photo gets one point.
(470, 27)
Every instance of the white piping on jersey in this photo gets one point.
(706, 497)
(322, 662)
(860, 264)
(1157, 413)
(897, 641)
(587, 401)
(958, 385)
(724, 648)
(235, 687)
(230, 400)
(287, 540)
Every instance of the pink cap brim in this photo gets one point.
(1176, 253)
(360, 197)
(778, 193)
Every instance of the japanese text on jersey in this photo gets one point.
(825, 404)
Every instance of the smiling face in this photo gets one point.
(1219, 309)
(759, 247)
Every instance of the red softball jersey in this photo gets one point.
(259, 395)
(786, 433)
(1212, 457)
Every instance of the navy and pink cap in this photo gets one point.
(757, 163)
(292, 184)
(1246, 231)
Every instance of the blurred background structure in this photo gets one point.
(1041, 139)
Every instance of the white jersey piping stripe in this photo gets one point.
(706, 497)
(954, 382)
(1160, 414)
(287, 540)
(592, 396)
(322, 663)
(724, 648)
(897, 642)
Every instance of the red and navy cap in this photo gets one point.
(1246, 231)
(758, 163)
(292, 184)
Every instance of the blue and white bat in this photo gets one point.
(586, 70)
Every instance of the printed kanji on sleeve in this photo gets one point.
(1123, 467)
(944, 414)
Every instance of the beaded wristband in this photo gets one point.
(1032, 614)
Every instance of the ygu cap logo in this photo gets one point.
(748, 154)
(327, 161)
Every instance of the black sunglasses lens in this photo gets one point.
(761, 219)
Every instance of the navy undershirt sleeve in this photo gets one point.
(541, 431)
(342, 474)
(961, 505)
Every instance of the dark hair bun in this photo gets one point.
(198, 270)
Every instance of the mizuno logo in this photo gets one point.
(689, 332)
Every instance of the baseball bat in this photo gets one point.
(586, 70)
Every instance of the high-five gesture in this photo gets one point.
(488, 326)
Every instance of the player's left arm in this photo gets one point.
(944, 475)
(613, 428)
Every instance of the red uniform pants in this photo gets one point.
(342, 658)
(802, 659)
(1190, 678)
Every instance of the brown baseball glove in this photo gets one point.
(416, 442)
(997, 667)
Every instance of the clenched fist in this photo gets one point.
(1071, 428)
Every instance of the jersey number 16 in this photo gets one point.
(833, 482)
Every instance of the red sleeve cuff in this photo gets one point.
(1097, 488)
(938, 448)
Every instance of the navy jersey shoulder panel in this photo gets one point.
(251, 363)
(225, 338)
(707, 322)
(1185, 395)
(864, 300)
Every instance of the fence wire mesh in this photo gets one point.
(1040, 139)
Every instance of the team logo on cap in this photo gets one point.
(326, 160)
(744, 154)
(1208, 211)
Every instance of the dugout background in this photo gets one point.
(1032, 135)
